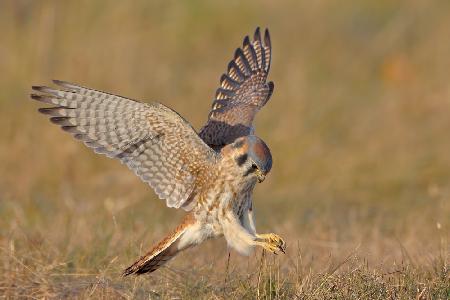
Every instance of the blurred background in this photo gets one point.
(358, 126)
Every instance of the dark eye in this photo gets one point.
(254, 167)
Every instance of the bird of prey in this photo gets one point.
(210, 174)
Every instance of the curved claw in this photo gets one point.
(269, 247)
(274, 240)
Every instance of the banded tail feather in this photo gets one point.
(164, 251)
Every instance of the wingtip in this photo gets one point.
(223, 77)
(41, 98)
(42, 110)
(59, 121)
(35, 97)
(231, 65)
(62, 83)
(267, 38)
(36, 88)
(59, 82)
(65, 84)
(246, 40)
(238, 53)
(46, 110)
(42, 89)
(271, 87)
(257, 35)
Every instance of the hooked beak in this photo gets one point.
(260, 176)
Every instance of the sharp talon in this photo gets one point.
(272, 242)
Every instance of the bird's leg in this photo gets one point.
(270, 241)
(248, 220)
(239, 237)
(236, 235)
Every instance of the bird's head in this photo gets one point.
(251, 155)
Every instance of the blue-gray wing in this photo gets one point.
(243, 91)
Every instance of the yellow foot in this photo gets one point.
(272, 242)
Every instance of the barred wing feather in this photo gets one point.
(151, 139)
(242, 93)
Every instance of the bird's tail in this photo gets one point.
(165, 250)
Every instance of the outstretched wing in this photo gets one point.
(152, 140)
(243, 91)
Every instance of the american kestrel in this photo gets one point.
(211, 175)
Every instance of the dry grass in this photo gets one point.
(358, 126)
